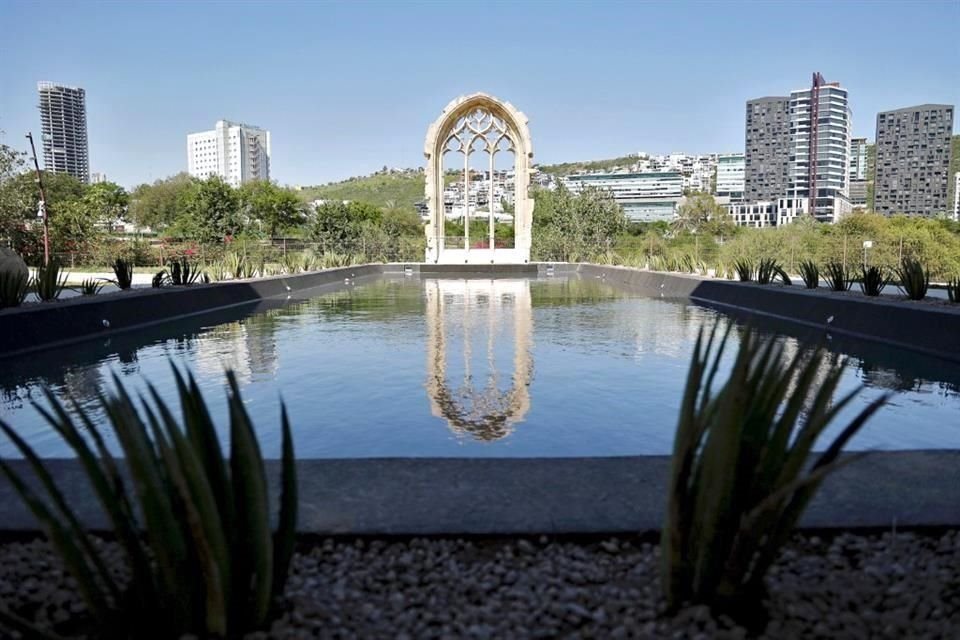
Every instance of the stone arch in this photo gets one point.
(503, 118)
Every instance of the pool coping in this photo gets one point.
(492, 496)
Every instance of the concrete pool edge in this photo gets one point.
(496, 496)
(930, 328)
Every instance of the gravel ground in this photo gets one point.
(883, 586)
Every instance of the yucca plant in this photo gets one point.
(914, 279)
(123, 269)
(13, 288)
(291, 263)
(91, 286)
(837, 277)
(874, 281)
(741, 472)
(744, 269)
(953, 290)
(810, 273)
(50, 281)
(767, 270)
(194, 531)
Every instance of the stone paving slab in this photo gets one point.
(475, 496)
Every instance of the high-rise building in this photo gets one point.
(820, 126)
(767, 148)
(730, 170)
(238, 153)
(63, 120)
(913, 160)
(859, 172)
(798, 148)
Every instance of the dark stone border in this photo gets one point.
(478, 496)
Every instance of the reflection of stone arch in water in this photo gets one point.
(478, 122)
(490, 413)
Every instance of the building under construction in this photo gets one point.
(63, 117)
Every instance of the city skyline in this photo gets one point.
(361, 96)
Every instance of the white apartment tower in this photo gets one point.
(236, 152)
(63, 121)
(820, 126)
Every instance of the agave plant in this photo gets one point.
(767, 270)
(13, 288)
(123, 269)
(183, 273)
(914, 279)
(50, 281)
(744, 269)
(160, 279)
(953, 290)
(874, 281)
(235, 264)
(291, 263)
(741, 472)
(810, 273)
(201, 556)
(91, 286)
(837, 277)
(784, 278)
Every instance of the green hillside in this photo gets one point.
(571, 168)
(383, 189)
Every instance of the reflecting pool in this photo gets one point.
(462, 367)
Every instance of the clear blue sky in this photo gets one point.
(346, 88)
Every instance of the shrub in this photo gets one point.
(123, 269)
(953, 290)
(13, 288)
(837, 277)
(810, 273)
(873, 281)
(91, 286)
(195, 532)
(740, 476)
(49, 281)
(914, 279)
(767, 269)
(744, 270)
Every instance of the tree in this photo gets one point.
(271, 205)
(700, 212)
(333, 226)
(401, 222)
(108, 201)
(210, 211)
(157, 205)
(573, 227)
